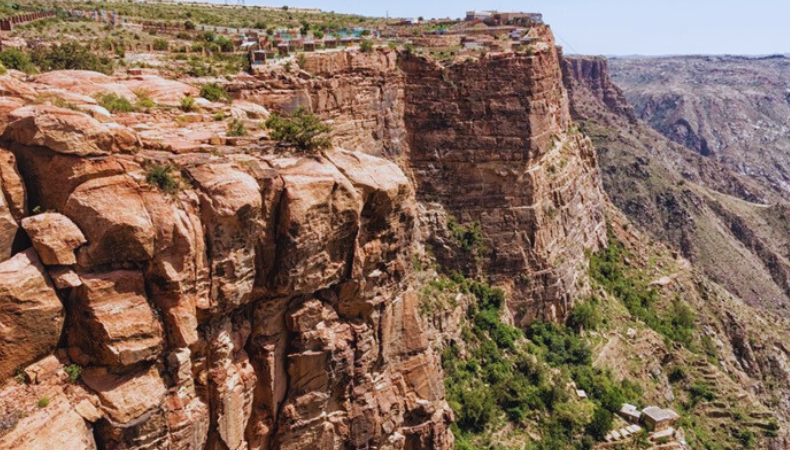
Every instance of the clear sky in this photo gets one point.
(616, 27)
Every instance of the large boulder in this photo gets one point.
(11, 87)
(31, 315)
(13, 185)
(8, 230)
(231, 206)
(56, 426)
(7, 106)
(51, 177)
(55, 237)
(111, 213)
(126, 398)
(178, 277)
(113, 322)
(60, 129)
(318, 223)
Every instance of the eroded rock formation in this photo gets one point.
(268, 301)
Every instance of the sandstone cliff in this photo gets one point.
(264, 303)
(487, 142)
(167, 285)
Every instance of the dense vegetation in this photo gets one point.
(610, 269)
(499, 375)
(70, 55)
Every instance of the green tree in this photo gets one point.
(301, 129)
(17, 60)
(601, 423)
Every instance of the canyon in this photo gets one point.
(173, 277)
(269, 301)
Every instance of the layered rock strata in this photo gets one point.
(265, 304)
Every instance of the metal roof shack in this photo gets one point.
(658, 419)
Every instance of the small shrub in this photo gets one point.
(236, 128)
(188, 104)
(225, 44)
(115, 103)
(366, 46)
(161, 45)
(301, 129)
(43, 402)
(162, 177)
(74, 371)
(18, 60)
(189, 25)
(585, 315)
(468, 236)
(677, 374)
(214, 92)
(219, 116)
(301, 61)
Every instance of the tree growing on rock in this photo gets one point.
(301, 129)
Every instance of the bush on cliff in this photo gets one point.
(214, 92)
(70, 56)
(301, 129)
(610, 269)
(161, 45)
(115, 103)
(162, 177)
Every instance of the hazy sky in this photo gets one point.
(617, 27)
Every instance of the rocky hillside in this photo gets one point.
(729, 108)
(183, 266)
(214, 297)
(713, 216)
(728, 223)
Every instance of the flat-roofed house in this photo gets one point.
(659, 419)
(630, 413)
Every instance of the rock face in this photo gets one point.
(265, 305)
(492, 141)
(231, 295)
(593, 73)
(712, 105)
(31, 315)
(685, 198)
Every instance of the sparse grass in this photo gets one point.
(115, 103)
(162, 177)
(236, 128)
(188, 104)
(74, 371)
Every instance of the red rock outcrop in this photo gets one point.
(31, 315)
(247, 298)
(493, 142)
(262, 306)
